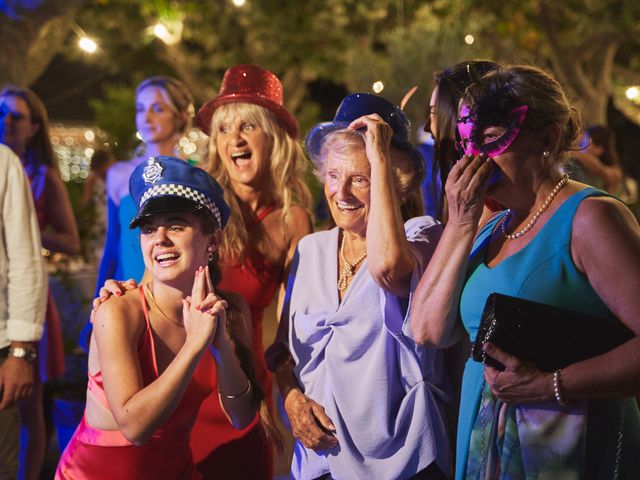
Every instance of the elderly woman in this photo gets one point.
(559, 243)
(364, 400)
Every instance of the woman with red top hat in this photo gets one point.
(255, 155)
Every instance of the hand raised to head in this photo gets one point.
(377, 135)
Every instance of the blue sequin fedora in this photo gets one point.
(168, 184)
(356, 105)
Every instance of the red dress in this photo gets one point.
(107, 455)
(231, 453)
(50, 363)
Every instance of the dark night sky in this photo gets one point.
(66, 87)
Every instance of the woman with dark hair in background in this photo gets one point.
(442, 114)
(24, 127)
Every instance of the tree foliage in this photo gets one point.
(334, 41)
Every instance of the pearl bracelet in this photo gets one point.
(240, 395)
(557, 386)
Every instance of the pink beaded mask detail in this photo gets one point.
(471, 132)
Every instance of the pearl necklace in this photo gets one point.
(505, 220)
(348, 269)
(155, 303)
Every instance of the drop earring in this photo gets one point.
(210, 254)
(546, 154)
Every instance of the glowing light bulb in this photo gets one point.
(160, 31)
(88, 45)
(378, 86)
(469, 39)
(632, 93)
(239, 3)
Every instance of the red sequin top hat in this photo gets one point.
(249, 84)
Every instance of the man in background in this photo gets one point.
(23, 291)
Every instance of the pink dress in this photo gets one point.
(107, 455)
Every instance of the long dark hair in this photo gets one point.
(451, 84)
(39, 148)
(235, 326)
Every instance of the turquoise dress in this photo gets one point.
(542, 271)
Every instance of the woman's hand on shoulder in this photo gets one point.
(111, 288)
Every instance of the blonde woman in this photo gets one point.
(255, 155)
(164, 111)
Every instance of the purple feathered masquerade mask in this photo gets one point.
(472, 125)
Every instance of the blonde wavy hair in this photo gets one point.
(288, 163)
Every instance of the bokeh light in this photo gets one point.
(88, 45)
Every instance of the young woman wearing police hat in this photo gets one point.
(154, 348)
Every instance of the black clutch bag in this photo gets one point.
(550, 337)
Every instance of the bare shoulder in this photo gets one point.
(120, 316)
(118, 174)
(299, 222)
(603, 228)
(603, 213)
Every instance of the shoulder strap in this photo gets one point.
(259, 217)
(149, 332)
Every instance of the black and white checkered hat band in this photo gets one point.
(184, 192)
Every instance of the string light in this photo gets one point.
(87, 44)
(239, 3)
(632, 93)
(378, 86)
(469, 39)
(169, 36)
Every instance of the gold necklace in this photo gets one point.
(155, 303)
(348, 269)
(512, 236)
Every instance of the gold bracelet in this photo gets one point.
(557, 386)
(240, 395)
